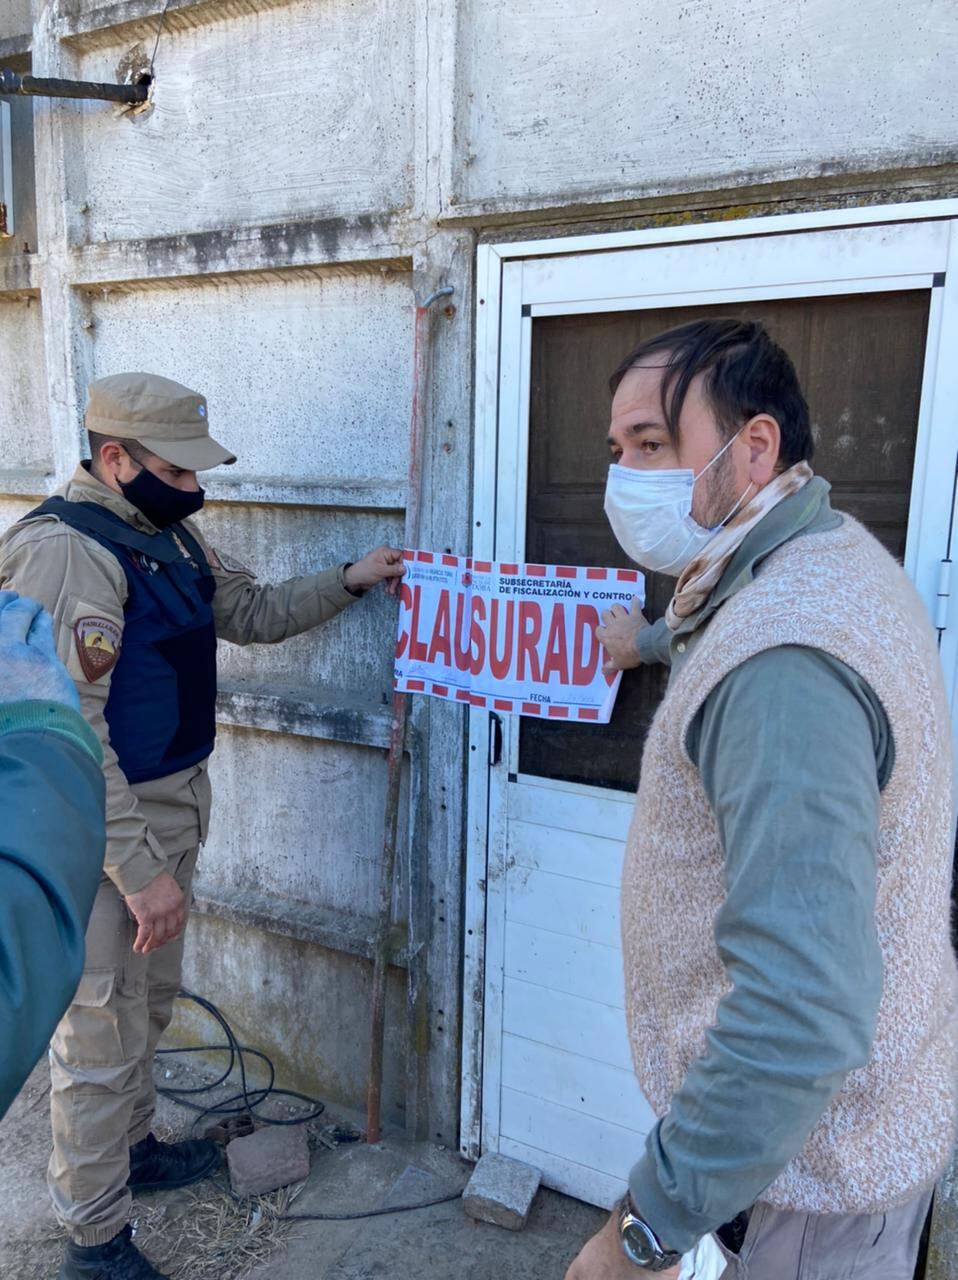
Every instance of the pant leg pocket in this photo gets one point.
(756, 1218)
(88, 1034)
(133, 1005)
(736, 1268)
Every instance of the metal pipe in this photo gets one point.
(445, 292)
(11, 83)
(397, 735)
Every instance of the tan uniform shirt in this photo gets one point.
(74, 577)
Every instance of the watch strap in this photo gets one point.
(661, 1258)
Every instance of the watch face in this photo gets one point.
(638, 1244)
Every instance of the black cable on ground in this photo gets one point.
(247, 1100)
(369, 1213)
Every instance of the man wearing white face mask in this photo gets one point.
(791, 991)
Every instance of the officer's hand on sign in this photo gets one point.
(29, 667)
(383, 564)
(160, 912)
(619, 633)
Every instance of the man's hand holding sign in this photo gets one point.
(619, 636)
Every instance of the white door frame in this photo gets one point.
(518, 281)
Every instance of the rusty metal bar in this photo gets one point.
(397, 736)
(14, 84)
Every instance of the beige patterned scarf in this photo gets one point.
(701, 576)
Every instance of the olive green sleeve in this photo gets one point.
(247, 611)
(654, 641)
(791, 747)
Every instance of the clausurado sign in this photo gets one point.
(518, 638)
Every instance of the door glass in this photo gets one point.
(859, 359)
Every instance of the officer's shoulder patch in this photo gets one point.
(97, 641)
(220, 562)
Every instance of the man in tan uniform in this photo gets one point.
(138, 600)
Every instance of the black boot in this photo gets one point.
(158, 1166)
(118, 1259)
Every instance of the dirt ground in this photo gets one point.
(205, 1233)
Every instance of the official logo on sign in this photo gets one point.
(98, 646)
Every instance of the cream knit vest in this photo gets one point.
(890, 1130)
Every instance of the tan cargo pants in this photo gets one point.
(830, 1246)
(101, 1064)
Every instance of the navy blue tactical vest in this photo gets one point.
(161, 709)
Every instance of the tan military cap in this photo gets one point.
(169, 420)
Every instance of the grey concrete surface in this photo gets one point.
(437, 1243)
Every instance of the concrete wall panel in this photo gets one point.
(14, 18)
(303, 110)
(566, 101)
(11, 509)
(306, 1006)
(309, 378)
(353, 651)
(296, 818)
(26, 430)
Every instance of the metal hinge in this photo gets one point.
(943, 597)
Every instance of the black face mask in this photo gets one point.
(161, 503)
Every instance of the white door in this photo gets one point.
(867, 311)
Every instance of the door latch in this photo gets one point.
(495, 738)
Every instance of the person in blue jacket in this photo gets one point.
(52, 837)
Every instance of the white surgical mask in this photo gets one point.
(651, 514)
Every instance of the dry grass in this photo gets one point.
(208, 1234)
(205, 1232)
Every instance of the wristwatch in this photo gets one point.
(640, 1243)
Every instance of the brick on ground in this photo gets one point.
(501, 1191)
(272, 1157)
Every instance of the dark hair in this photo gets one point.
(746, 373)
(138, 452)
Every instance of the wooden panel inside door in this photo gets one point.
(860, 360)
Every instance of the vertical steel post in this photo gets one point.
(397, 734)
